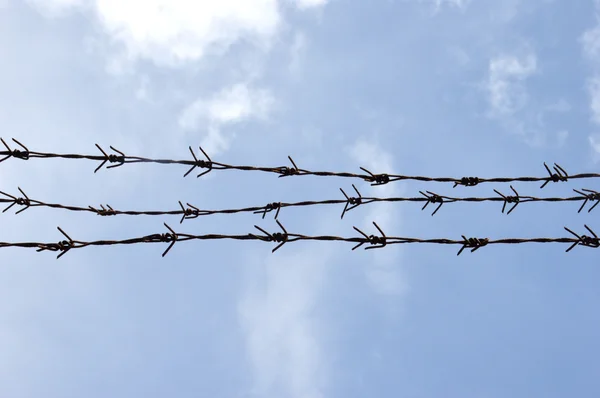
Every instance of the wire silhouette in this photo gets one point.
(118, 159)
(284, 237)
(350, 202)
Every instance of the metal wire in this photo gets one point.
(280, 238)
(118, 159)
(350, 202)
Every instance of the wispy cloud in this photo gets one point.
(297, 50)
(511, 104)
(451, 3)
(590, 42)
(282, 330)
(594, 140)
(229, 106)
(56, 8)
(439, 5)
(507, 92)
(594, 92)
(175, 32)
(303, 4)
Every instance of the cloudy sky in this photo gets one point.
(437, 87)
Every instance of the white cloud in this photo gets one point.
(174, 32)
(507, 94)
(297, 50)
(383, 274)
(510, 104)
(590, 41)
(594, 91)
(438, 5)
(281, 328)
(302, 4)
(594, 140)
(451, 3)
(55, 8)
(231, 105)
(142, 93)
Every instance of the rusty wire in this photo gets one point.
(118, 158)
(350, 202)
(281, 238)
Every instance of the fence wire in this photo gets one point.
(190, 211)
(284, 237)
(118, 159)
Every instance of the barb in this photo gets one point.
(203, 164)
(377, 179)
(24, 201)
(559, 175)
(584, 240)
(190, 211)
(511, 199)
(112, 158)
(473, 244)
(286, 171)
(16, 153)
(118, 159)
(104, 211)
(376, 242)
(435, 198)
(468, 181)
(170, 238)
(589, 196)
(281, 238)
(351, 202)
(62, 246)
(269, 208)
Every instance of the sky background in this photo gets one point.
(440, 88)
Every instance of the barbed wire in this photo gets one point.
(118, 159)
(350, 202)
(281, 238)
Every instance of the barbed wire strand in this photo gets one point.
(118, 159)
(350, 202)
(281, 238)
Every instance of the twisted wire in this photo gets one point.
(284, 237)
(118, 159)
(190, 211)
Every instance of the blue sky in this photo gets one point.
(440, 88)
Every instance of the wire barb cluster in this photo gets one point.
(14, 153)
